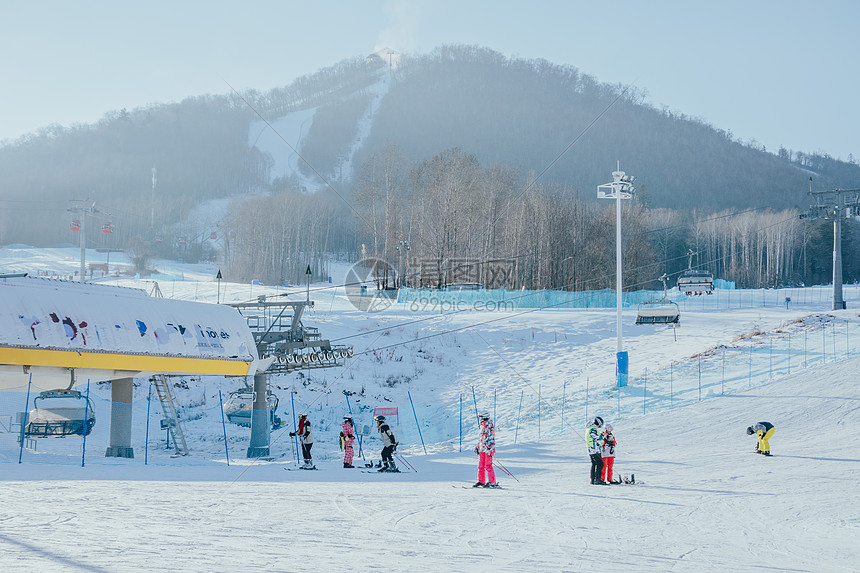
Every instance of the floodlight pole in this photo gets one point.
(620, 188)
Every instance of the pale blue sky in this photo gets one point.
(780, 72)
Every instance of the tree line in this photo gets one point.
(450, 219)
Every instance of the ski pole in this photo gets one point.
(405, 462)
(506, 470)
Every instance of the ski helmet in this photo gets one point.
(379, 418)
(750, 431)
(598, 421)
(484, 415)
(609, 428)
(348, 418)
(302, 416)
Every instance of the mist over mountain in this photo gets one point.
(526, 128)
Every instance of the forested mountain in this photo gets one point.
(463, 153)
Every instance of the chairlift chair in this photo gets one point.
(658, 311)
(60, 413)
(694, 281)
(240, 405)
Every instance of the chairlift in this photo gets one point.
(658, 311)
(107, 228)
(75, 225)
(60, 413)
(695, 282)
(240, 405)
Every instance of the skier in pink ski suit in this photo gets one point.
(485, 449)
(347, 437)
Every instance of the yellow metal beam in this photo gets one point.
(117, 361)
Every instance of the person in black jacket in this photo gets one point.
(306, 438)
(389, 445)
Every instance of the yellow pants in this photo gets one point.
(763, 437)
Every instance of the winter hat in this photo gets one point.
(598, 421)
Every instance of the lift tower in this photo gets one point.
(834, 205)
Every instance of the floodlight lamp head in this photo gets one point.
(617, 176)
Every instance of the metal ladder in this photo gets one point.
(171, 413)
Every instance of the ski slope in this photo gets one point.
(705, 501)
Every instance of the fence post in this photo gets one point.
(723, 375)
(538, 411)
(86, 416)
(563, 392)
(700, 377)
(586, 400)
(517, 430)
(146, 438)
(354, 426)
(461, 422)
(223, 425)
(24, 421)
(834, 340)
(296, 438)
(416, 422)
(644, 390)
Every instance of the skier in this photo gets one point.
(307, 440)
(764, 431)
(485, 449)
(389, 445)
(608, 454)
(594, 441)
(347, 437)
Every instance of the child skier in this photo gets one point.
(347, 437)
(764, 431)
(608, 454)
(594, 441)
(485, 449)
(389, 445)
(306, 438)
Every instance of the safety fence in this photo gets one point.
(721, 299)
(534, 411)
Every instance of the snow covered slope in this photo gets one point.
(706, 502)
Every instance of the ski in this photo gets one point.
(297, 469)
(482, 487)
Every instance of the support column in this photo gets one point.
(260, 426)
(838, 303)
(121, 393)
